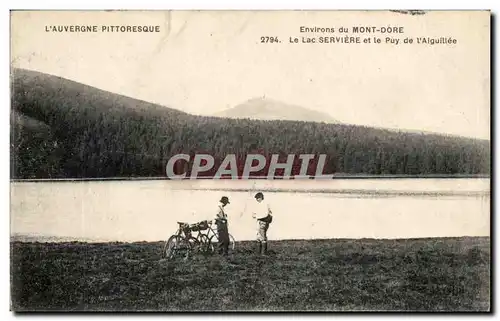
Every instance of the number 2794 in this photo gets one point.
(269, 40)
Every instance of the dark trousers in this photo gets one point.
(223, 235)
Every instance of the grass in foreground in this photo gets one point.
(451, 274)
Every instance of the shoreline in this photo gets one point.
(263, 178)
(23, 239)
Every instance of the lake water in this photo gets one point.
(303, 209)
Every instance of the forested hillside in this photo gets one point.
(63, 129)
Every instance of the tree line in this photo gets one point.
(63, 129)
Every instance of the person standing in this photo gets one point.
(263, 214)
(222, 226)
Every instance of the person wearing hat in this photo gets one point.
(263, 214)
(222, 228)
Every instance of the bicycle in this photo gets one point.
(183, 241)
(210, 239)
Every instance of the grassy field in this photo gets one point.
(451, 274)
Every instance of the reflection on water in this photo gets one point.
(149, 210)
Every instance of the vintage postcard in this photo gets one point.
(250, 161)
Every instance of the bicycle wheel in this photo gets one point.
(171, 247)
(232, 242)
(193, 244)
(205, 245)
(214, 242)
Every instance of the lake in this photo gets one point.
(147, 210)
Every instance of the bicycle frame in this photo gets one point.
(199, 240)
(213, 236)
(182, 233)
(211, 232)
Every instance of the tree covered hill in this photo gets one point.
(64, 129)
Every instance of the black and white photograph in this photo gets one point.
(250, 161)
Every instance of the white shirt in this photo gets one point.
(261, 210)
(221, 213)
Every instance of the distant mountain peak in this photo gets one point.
(265, 108)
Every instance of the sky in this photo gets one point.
(206, 62)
